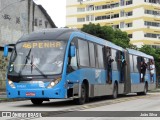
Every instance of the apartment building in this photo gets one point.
(139, 18)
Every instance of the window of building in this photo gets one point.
(128, 25)
(122, 2)
(46, 24)
(122, 13)
(130, 35)
(129, 2)
(83, 53)
(92, 55)
(152, 12)
(154, 24)
(152, 1)
(122, 24)
(90, 18)
(102, 17)
(106, 6)
(98, 7)
(114, 16)
(114, 5)
(35, 22)
(151, 35)
(90, 8)
(80, 9)
(100, 56)
(129, 13)
(40, 22)
(115, 26)
(80, 19)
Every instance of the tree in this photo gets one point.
(108, 33)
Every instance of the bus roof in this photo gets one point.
(49, 34)
(95, 39)
(64, 34)
(139, 53)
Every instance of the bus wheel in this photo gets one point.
(115, 91)
(82, 99)
(36, 101)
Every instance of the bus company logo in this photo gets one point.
(6, 114)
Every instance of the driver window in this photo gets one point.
(72, 62)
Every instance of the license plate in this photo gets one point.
(30, 94)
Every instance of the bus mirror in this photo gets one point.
(5, 52)
(72, 51)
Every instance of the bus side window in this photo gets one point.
(92, 55)
(83, 53)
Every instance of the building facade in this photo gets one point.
(18, 17)
(139, 18)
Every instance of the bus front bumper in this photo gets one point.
(36, 93)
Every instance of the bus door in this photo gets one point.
(139, 65)
(127, 77)
(122, 62)
(108, 64)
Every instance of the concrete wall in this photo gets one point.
(13, 20)
(17, 18)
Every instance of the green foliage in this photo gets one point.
(108, 33)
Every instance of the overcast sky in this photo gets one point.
(56, 9)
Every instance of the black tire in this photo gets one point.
(115, 91)
(36, 101)
(82, 99)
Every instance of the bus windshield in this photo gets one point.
(37, 58)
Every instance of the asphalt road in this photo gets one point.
(54, 108)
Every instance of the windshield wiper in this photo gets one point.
(26, 60)
(33, 65)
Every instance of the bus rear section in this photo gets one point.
(140, 81)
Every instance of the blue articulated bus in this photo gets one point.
(67, 63)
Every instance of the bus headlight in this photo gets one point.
(11, 84)
(53, 83)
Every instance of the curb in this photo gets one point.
(12, 100)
